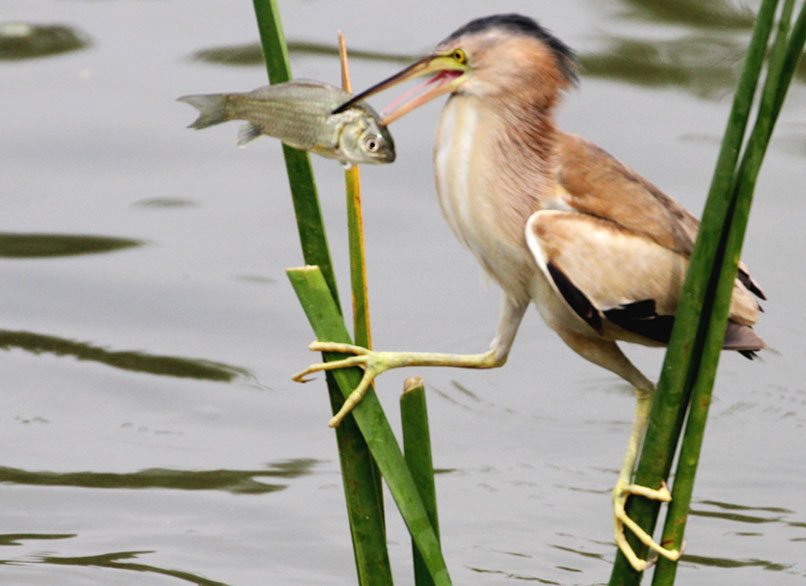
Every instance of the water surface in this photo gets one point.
(151, 432)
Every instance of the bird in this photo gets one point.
(555, 220)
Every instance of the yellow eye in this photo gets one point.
(459, 56)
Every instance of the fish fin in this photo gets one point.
(212, 109)
(247, 133)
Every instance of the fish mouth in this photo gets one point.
(447, 77)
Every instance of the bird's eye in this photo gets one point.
(459, 56)
(373, 144)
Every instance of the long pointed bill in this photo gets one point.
(448, 73)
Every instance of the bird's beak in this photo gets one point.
(449, 75)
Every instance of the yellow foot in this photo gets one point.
(367, 359)
(621, 493)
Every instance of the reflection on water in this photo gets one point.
(164, 202)
(583, 553)
(114, 561)
(704, 65)
(32, 245)
(734, 513)
(741, 513)
(739, 518)
(126, 360)
(733, 563)
(233, 481)
(19, 538)
(247, 54)
(20, 40)
(512, 576)
(252, 54)
(714, 14)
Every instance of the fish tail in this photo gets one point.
(212, 109)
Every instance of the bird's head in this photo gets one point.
(505, 56)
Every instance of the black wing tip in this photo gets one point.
(746, 280)
(642, 318)
(578, 301)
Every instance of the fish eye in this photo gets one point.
(459, 56)
(373, 143)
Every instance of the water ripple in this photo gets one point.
(127, 360)
(22, 40)
(115, 561)
(33, 245)
(233, 481)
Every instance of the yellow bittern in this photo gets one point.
(553, 219)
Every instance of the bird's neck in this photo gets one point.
(529, 128)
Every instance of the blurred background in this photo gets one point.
(151, 432)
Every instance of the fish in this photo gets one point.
(300, 113)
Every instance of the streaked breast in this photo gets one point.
(476, 203)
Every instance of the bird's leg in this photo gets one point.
(624, 488)
(374, 363)
(607, 354)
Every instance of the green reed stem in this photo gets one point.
(684, 363)
(417, 449)
(794, 52)
(362, 485)
(310, 226)
(363, 498)
(779, 76)
(328, 325)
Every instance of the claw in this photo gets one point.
(621, 493)
(358, 360)
(361, 358)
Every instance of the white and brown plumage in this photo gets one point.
(554, 219)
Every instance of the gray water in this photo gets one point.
(150, 430)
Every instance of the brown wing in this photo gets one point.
(594, 182)
(609, 274)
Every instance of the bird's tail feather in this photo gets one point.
(744, 339)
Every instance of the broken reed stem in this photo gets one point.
(417, 451)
